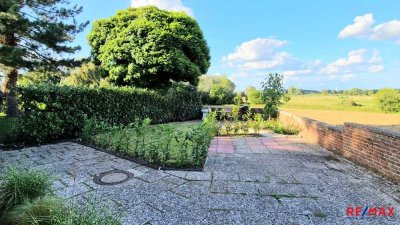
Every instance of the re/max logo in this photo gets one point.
(360, 211)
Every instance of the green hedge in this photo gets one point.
(54, 112)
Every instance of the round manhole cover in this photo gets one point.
(113, 177)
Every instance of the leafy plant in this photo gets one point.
(273, 92)
(164, 145)
(183, 138)
(245, 127)
(211, 123)
(200, 138)
(168, 135)
(257, 124)
(152, 151)
(19, 185)
(228, 126)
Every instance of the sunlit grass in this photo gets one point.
(332, 102)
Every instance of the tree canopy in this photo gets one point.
(218, 89)
(149, 47)
(35, 33)
(87, 75)
(388, 99)
(254, 96)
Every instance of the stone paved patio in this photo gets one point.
(268, 180)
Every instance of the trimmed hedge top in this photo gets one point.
(51, 112)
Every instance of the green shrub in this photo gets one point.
(19, 185)
(211, 123)
(51, 112)
(388, 100)
(175, 144)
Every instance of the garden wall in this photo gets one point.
(372, 147)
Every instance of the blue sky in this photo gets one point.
(315, 44)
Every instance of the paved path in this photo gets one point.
(268, 180)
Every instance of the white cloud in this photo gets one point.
(356, 62)
(363, 27)
(257, 49)
(260, 53)
(387, 31)
(360, 27)
(171, 5)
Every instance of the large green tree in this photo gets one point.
(34, 33)
(149, 47)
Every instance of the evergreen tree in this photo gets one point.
(34, 33)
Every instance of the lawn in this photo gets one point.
(332, 102)
(339, 117)
(330, 109)
(177, 145)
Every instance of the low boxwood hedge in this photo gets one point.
(52, 112)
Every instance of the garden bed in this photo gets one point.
(178, 145)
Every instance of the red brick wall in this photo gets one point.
(372, 147)
(325, 135)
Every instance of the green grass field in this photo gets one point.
(331, 110)
(332, 102)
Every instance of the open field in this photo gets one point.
(332, 102)
(331, 110)
(339, 117)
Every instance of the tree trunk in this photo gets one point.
(11, 93)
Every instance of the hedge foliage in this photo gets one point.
(52, 112)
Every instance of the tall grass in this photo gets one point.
(21, 185)
(43, 210)
(26, 197)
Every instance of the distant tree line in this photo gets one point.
(350, 92)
